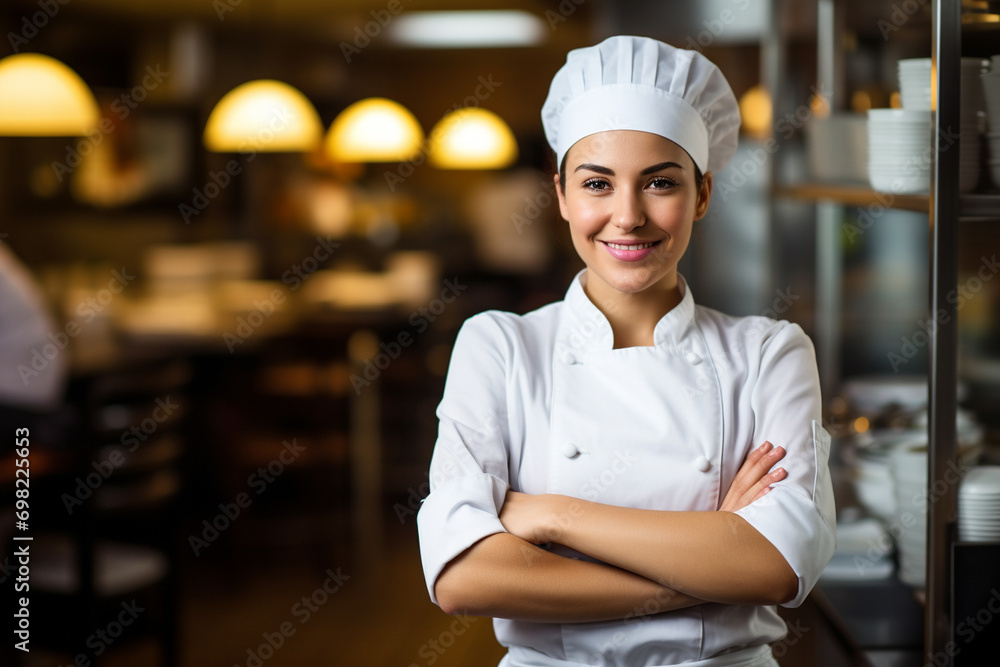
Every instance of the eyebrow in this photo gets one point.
(610, 172)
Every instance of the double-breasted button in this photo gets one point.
(569, 450)
(693, 358)
(702, 464)
(568, 357)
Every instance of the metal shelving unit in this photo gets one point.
(946, 55)
(947, 210)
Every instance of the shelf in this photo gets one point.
(979, 206)
(970, 206)
(853, 195)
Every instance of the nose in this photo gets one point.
(629, 211)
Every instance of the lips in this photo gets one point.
(630, 246)
(630, 251)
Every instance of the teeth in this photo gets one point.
(618, 246)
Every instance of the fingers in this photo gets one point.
(753, 458)
(753, 481)
(766, 462)
(763, 487)
(756, 454)
(757, 464)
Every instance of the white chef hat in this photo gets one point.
(638, 83)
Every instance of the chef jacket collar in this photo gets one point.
(589, 329)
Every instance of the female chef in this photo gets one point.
(604, 483)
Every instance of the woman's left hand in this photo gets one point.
(753, 480)
(533, 518)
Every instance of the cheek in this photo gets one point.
(585, 220)
(676, 216)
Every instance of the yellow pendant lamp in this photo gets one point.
(42, 97)
(263, 116)
(375, 129)
(472, 138)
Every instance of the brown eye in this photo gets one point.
(662, 183)
(596, 184)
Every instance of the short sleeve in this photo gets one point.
(798, 516)
(468, 470)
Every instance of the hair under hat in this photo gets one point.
(638, 83)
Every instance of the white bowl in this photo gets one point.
(900, 115)
(902, 141)
(886, 130)
(901, 184)
(898, 126)
(981, 480)
(916, 85)
(909, 468)
(903, 159)
(900, 146)
(920, 64)
(902, 163)
(905, 143)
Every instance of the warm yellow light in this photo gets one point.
(861, 101)
(472, 138)
(861, 424)
(819, 105)
(755, 111)
(40, 96)
(375, 130)
(895, 100)
(263, 116)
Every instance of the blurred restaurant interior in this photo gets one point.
(249, 231)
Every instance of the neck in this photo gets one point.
(634, 315)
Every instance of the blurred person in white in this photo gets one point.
(604, 482)
(33, 367)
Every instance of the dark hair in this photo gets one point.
(698, 176)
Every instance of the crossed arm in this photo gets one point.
(653, 561)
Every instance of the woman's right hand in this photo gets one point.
(753, 480)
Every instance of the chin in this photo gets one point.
(629, 280)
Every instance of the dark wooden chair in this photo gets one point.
(107, 539)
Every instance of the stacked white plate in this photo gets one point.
(979, 505)
(874, 484)
(871, 395)
(909, 470)
(873, 481)
(916, 87)
(991, 94)
(899, 150)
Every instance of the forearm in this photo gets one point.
(506, 577)
(714, 556)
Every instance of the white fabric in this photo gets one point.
(32, 367)
(541, 403)
(755, 656)
(638, 83)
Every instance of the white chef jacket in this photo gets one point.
(542, 403)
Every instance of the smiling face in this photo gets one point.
(631, 199)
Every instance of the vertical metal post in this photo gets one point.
(772, 67)
(829, 276)
(829, 269)
(944, 208)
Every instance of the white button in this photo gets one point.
(569, 450)
(693, 358)
(567, 357)
(702, 464)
